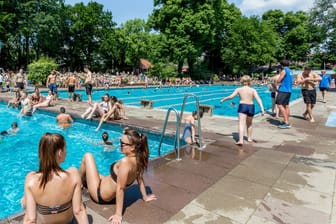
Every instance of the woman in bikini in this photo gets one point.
(48, 102)
(114, 113)
(36, 97)
(103, 189)
(42, 202)
(98, 109)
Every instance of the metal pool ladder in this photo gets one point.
(177, 136)
(178, 124)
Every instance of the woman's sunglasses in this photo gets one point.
(124, 143)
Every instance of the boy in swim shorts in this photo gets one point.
(245, 108)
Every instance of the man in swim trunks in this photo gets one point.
(88, 83)
(51, 82)
(20, 79)
(284, 92)
(245, 108)
(71, 83)
(64, 120)
(308, 81)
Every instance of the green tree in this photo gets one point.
(250, 43)
(293, 32)
(322, 19)
(89, 27)
(187, 26)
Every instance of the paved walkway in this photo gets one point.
(287, 176)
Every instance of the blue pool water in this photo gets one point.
(173, 97)
(19, 153)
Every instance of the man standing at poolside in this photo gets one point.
(324, 85)
(71, 83)
(284, 92)
(20, 79)
(51, 82)
(308, 80)
(88, 83)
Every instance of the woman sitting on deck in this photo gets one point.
(36, 97)
(98, 109)
(114, 113)
(48, 102)
(103, 189)
(51, 194)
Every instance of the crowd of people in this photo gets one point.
(42, 203)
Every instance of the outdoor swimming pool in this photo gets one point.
(166, 97)
(19, 153)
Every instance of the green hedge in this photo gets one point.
(38, 71)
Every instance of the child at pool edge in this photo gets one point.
(103, 189)
(189, 131)
(245, 108)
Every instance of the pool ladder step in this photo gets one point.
(178, 124)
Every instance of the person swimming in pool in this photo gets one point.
(106, 140)
(63, 119)
(12, 130)
(103, 189)
(44, 204)
(245, 108)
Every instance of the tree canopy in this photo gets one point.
(207, 36)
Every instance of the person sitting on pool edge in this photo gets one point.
(44, 204)
(189, 131)
(103, 189)
(12, 130)
(64, 120)
(25, 105)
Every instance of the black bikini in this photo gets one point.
(114, 178)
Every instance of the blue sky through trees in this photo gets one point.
(123, 10)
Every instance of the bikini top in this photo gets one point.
(35, 97)
(47, 210)
(114, 175)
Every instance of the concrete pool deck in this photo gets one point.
(286, 176)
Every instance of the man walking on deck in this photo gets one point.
(308, 81)
(284, 92)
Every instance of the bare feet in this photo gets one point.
(239, 143)
(252, 140)
(305, 116)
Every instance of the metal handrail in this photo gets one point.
(198, 116)
(177, 137)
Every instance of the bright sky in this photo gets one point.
(123, 10)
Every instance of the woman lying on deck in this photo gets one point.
(51, 194)
(103, 189)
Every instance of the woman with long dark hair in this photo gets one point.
(52, 194)
(103, 189)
